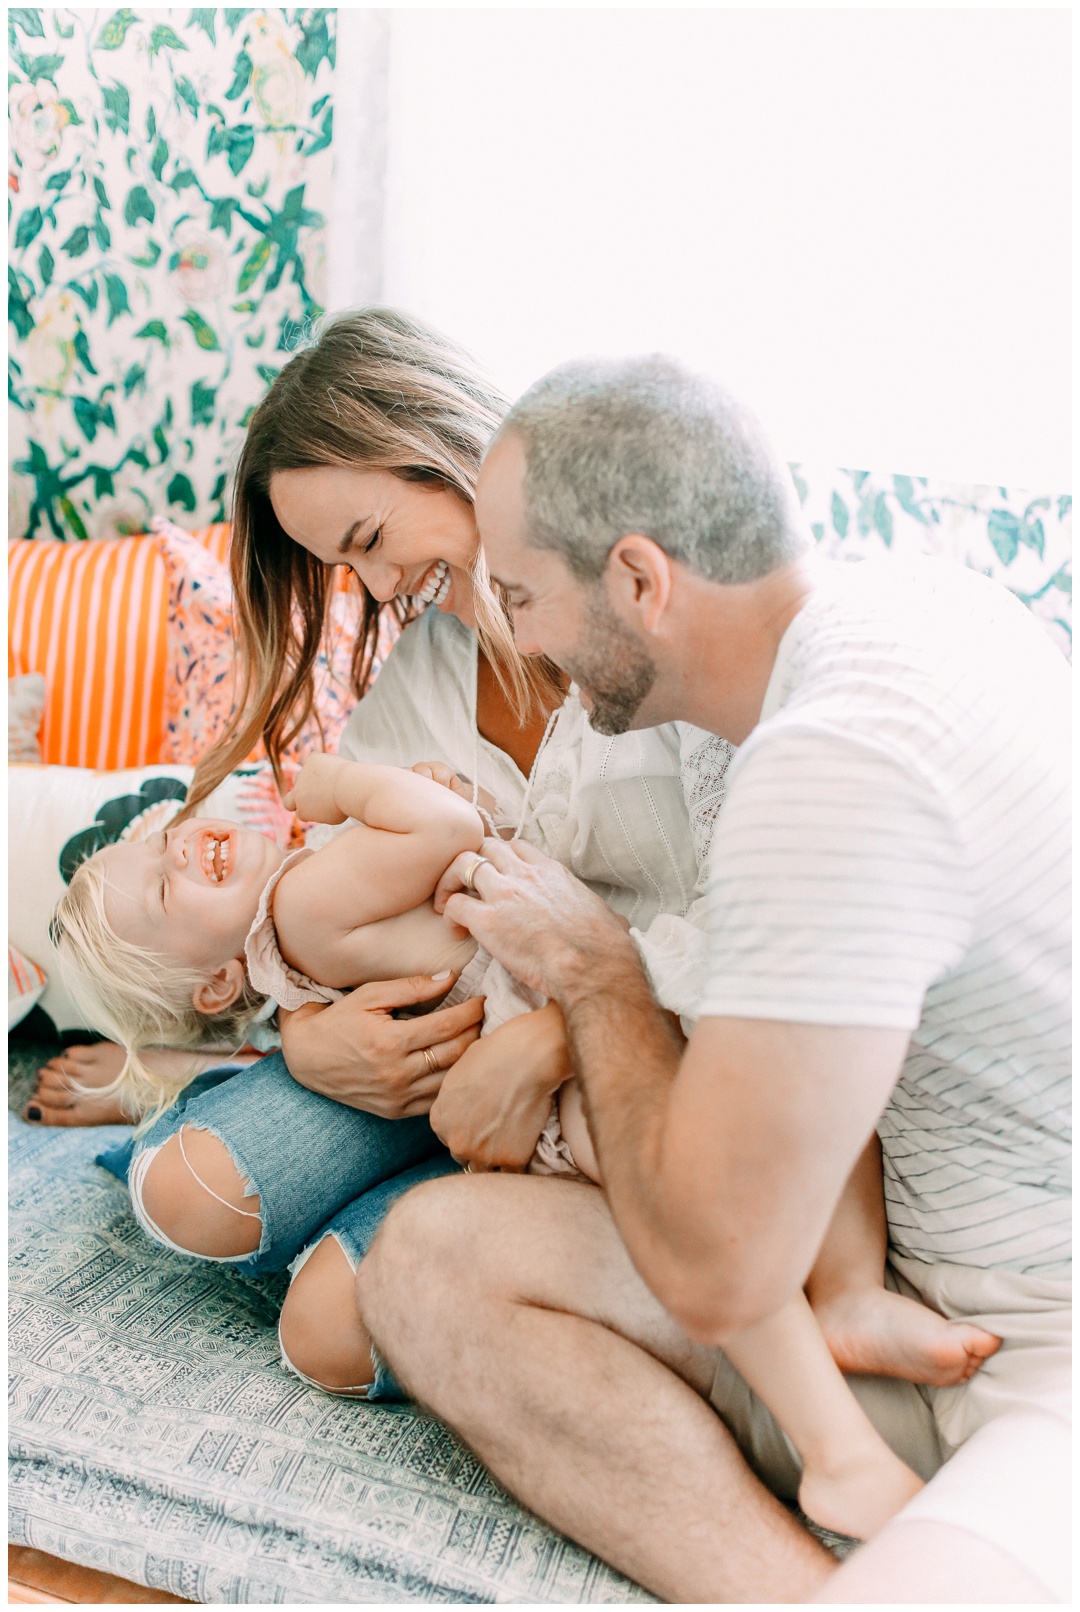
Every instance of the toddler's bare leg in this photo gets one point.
(575, 1129)
(868, 1328)
(852, 1482)
(322, 1335)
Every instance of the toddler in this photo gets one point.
(193, 933)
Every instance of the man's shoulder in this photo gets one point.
(928, 640)
(917, 601)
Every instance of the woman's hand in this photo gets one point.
(356, 1053)
(493, 1104)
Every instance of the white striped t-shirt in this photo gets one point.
(894, 851)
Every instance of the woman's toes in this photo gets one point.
(57, 1100)
(95, 1065)
(42, 1112)
(54, 1087)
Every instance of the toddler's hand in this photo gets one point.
(312, 796)
(440, 773)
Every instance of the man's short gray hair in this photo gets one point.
(644, 445)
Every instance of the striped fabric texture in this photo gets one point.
(894, 851)
(26, 982)
(92, 618)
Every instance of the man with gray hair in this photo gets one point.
(889, 951)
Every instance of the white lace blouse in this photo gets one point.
(632, 816)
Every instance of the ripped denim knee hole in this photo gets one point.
(140, 1166)
(358, 1390)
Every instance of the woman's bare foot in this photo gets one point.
(58, 1100)
(882, 1334)
(860, 1493)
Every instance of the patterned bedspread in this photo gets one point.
(154, 1435)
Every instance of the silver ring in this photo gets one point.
(468, 1169)
(431, 1060)
(471, 872)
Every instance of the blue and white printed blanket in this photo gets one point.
(153, 1433)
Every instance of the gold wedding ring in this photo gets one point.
(431, 1060)
(471, 872)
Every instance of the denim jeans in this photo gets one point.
(319, 1168)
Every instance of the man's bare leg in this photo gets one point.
(509, 1305)
(922, 1563)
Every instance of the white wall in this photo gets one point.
(858, 219)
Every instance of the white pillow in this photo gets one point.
(57, 816)
(26, 708)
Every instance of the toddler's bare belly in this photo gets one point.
(415, 942)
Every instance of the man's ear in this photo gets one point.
(221, 991)
(640, 579)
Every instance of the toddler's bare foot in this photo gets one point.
(882, 1334)
(859, 1494)
(56, 1101)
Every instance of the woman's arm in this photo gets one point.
(355, 1052)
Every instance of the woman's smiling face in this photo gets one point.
(400, 537)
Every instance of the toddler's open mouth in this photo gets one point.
(214, 858)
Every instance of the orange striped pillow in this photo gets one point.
(92, 618)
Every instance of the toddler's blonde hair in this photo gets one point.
(137, 998)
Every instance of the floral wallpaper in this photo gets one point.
(169, 183)
(169, 188)
(1021, 539)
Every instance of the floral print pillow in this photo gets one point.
(26, 711)
(201, 656)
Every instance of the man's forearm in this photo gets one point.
(625, 1051)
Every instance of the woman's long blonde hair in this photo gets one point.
(375, 391)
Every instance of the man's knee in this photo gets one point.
(322, 1336)
(192, 1194)
(416, 1252)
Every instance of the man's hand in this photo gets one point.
(493, 1104)
(541, 922)
(312, 796)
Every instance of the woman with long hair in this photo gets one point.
(364, 453)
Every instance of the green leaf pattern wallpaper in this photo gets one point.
(169, 186)
(1022, 539)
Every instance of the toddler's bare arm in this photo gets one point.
(409, 829)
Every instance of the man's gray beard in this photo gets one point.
(614, 671)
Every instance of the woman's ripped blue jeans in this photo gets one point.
(320, 1169)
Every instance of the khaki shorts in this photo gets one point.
(995, 1451)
